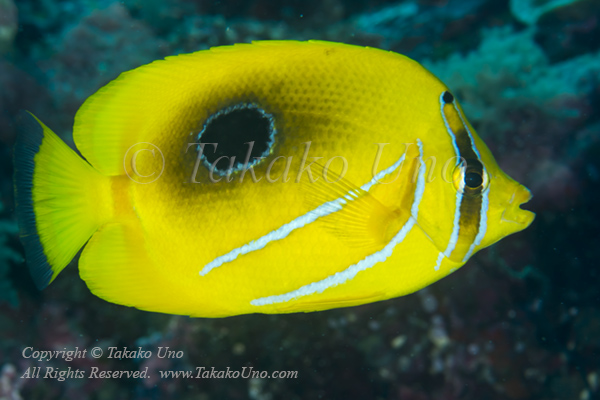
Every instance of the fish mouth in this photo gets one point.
(513, 213)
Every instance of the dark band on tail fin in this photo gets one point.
(29, 139)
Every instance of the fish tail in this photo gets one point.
(61, 200)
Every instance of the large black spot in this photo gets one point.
(233, 129)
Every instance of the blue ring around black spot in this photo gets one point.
(239, 165)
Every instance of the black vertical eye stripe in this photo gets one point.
(464, 143)
(470, 199)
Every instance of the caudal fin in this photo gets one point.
(61, 200)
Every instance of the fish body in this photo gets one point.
(271, 177)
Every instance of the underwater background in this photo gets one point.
(521, 320)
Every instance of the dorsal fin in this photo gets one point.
(172, 96)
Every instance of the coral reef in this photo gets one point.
(77, 64)
(530, 11)
(570, 31)
(9, 383)
(424, 29)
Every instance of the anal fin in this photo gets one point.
(116, 267)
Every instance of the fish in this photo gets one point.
(267, 177)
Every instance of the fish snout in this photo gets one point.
(513, 213)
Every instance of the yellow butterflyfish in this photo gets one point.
(271, 177)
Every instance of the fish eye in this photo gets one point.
(470, 177)
(473, 180)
